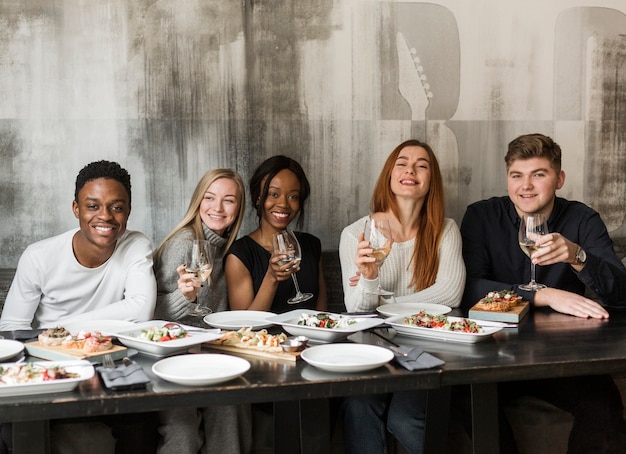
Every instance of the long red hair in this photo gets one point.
(425, 257)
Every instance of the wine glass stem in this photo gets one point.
(532, 273)
(295, 283)
(380, 287)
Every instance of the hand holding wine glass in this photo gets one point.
(532, 227)
(378, 233)
(286, 244)
(200, 263)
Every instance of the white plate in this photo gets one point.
(389, 310)
(131, 339)
(289, 322)
(104, 326)
(84, 368)
(397, 322)
(9, 348)
(200, 369)
(234, 320)
(347, 357)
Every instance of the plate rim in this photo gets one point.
(448, 308)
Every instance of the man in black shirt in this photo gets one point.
(576, 255)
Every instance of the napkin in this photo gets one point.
(417, 359)
(124, 377)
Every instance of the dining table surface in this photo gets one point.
(545, 344)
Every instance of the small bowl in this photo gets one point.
(294, 344)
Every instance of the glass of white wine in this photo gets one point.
(286, 244)
(532, 226)
(378, 233)
(200, 262)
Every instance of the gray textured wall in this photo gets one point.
(172, 88)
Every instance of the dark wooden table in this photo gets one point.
(545, 345)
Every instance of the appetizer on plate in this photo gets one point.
(325, 320)
(85, 341)
(32, 373)
(167, 332)
(424, 320)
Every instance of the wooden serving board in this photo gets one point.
(58, 353)
(515, 315)
(288, 356)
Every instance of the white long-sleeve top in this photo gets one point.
(396, 272)
(50, 287)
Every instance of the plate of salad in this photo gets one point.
(322, 326)
(442, 327)
(163, 338)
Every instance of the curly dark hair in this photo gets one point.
(269, 168)
(102, 169)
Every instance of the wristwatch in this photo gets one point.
(580, 258)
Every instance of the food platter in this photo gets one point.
(131, 339)
(289, 322)
(398, 323)
(234, 320)
(83, 368)
(347, 357)
(389, 310)
(10, 348)
(200, 369)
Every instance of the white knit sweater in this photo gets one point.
(396, 273)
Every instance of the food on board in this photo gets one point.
(247, 338)
(85, 341)
(499, 301)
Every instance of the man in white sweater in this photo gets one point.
(99, 271)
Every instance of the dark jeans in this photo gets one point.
(367, 417)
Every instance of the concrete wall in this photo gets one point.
(171, 88)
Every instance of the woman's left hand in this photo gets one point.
(364, 261)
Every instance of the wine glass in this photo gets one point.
(286, 244)
(378, 233)
(531, 227)
(200, 263)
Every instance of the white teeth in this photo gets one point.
(280, 215)
(104, 229)
(407, 182)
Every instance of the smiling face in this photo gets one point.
(283, 200)
(532, 185)
(102, 211)
(220, 205)
(410, 176)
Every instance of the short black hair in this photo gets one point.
(269, 168)
(102, 169)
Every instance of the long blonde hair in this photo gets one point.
(425, 257)
(192, 219)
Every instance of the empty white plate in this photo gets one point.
(200, 369)
(347, 357)
(234, 320)
(9, 348)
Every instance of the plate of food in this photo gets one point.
(21, 379)
(238, 319)
(442, 327)
(322, 326)
(10, 348)
(347, 357)
(200, 369)
(389, 310)
(163, 338)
